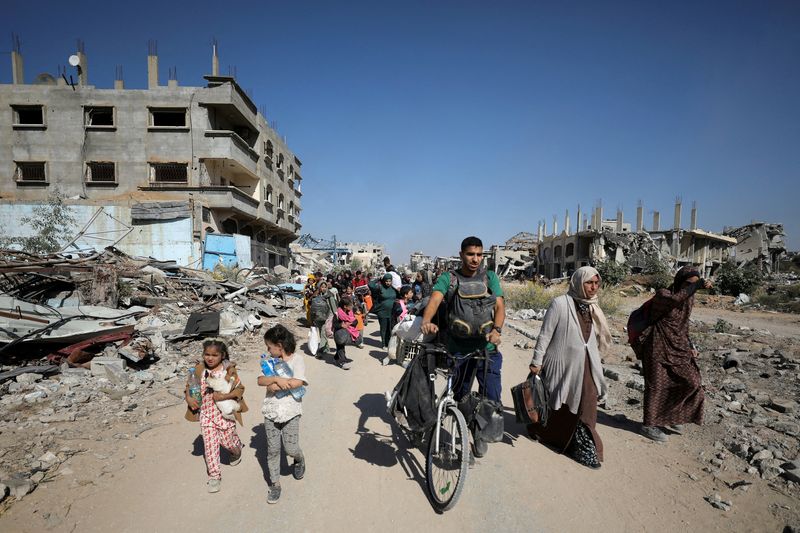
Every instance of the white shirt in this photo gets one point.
(282, 410)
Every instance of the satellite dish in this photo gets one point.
(44, 79)
(74, 60)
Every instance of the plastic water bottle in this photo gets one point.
(275, 367)
(282, 369)
(194, 387)
(266, 367)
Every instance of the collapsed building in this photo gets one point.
(759, 244)
(516, 258)
(601, 239)
(153, 171)
(418, 262)
(310, 254)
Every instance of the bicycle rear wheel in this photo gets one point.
(446, 465)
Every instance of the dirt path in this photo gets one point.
(361, 476)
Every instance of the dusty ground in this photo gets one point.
(363, 476)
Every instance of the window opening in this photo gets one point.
(99, 116)
(29, 114)
(101, 172)
(170, 172)
(31, 171)
(171, 118)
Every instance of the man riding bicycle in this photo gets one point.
(475, 315)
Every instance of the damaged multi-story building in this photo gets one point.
(162, 167)
(760, 244)
(517, 257)
(600, 239)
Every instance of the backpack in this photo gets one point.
(470, 306)
(319, 308)
(413, 400)
(638, 322)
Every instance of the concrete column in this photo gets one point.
(585, 223)
(578, 220)
(17, 73)
(152, 71)
(566, 222)
(639, 218)
(693, 221)
(119, 84)
(656, 221)
(677, 224)
(172, 84)
(555, 226)
(619, 220)
(83, 78)
(214, 61)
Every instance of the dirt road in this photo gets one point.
(363, 477)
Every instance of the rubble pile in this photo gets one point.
(632, 248)
(752, 424)
(103, 341)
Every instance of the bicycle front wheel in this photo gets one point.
(446, 467)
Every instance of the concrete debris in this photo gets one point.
(742, 299)
(717, 502)
(759, 244)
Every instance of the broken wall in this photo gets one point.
(167, 240)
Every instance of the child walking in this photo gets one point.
(282, 415)
(216, 430)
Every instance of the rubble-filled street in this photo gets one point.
(103, 444)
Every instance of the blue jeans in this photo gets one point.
(492, 387)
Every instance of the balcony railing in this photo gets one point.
(218, 197)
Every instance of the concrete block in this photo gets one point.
(18, 488)
(783, 405)
(99, 364)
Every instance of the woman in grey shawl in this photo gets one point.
(567, 357)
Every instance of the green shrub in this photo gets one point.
(225, 273)
(611, 272)
(53, 225)
(722, 326)
(658, 272)
(785, 298)
(527, 295)
(733, 280)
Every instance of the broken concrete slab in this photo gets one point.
(99, 365)
(783, 405)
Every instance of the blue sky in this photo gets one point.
(419, 123)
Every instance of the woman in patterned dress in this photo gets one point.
(673, 394)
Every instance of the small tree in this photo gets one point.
(611, 272)
(52, 224)
(733, 280)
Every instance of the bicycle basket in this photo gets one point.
(407, 350)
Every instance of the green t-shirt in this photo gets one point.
(468, 345)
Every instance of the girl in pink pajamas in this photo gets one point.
(216, 430)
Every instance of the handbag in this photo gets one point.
(483, 415)
(329, 327)
(530, 401)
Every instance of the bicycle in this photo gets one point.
(448, 448)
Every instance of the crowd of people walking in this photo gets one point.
(567, 358)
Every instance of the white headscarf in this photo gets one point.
(581, 276)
